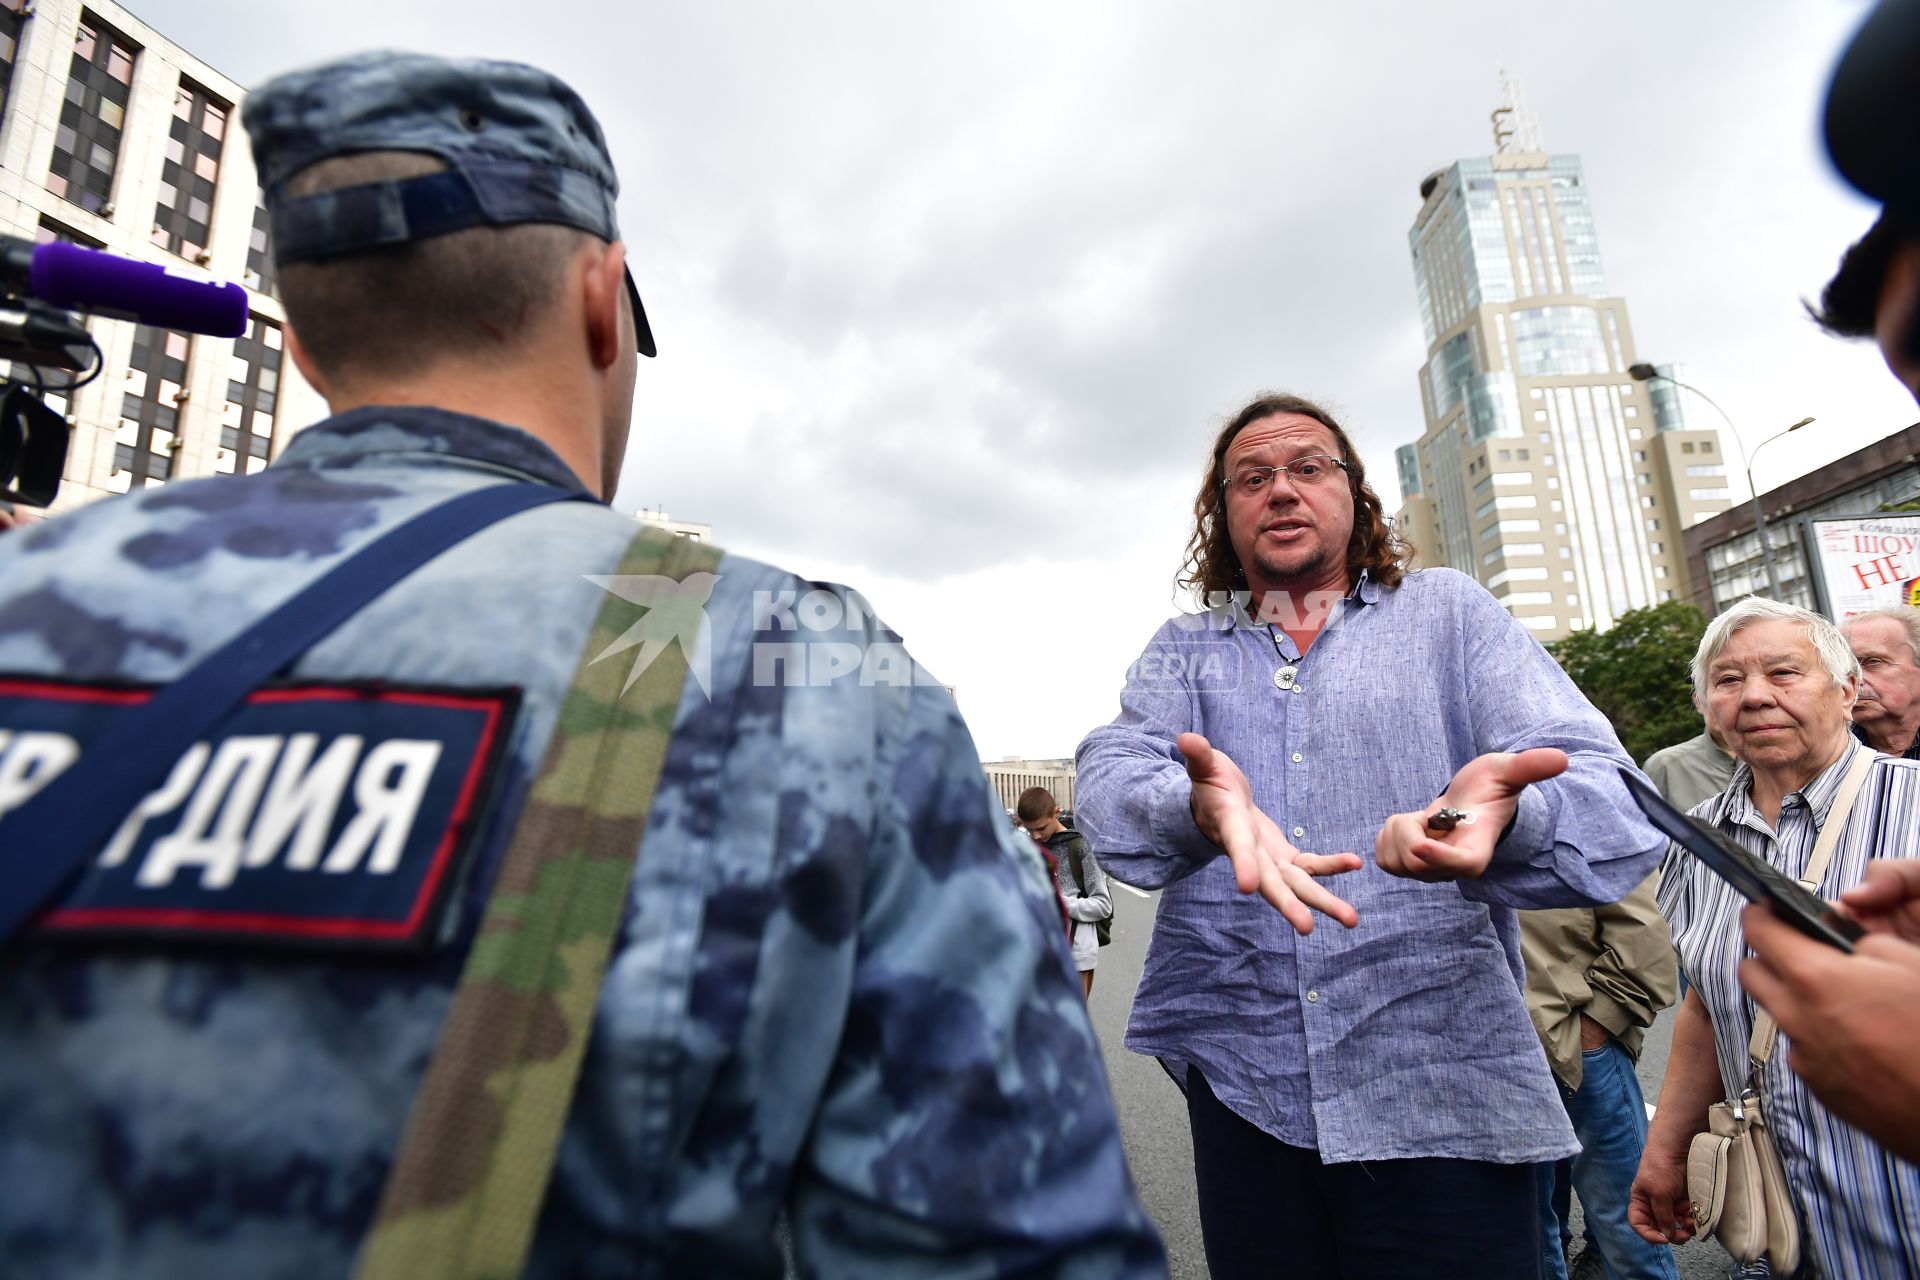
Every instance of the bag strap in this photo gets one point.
(1074, 864)
(56, 832)
(471, 1173)
(1765, 1030)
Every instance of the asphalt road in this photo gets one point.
(1153, 1117)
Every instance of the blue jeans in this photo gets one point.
(1610, 1118)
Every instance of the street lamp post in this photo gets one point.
(1646, 373)
(1759, 517)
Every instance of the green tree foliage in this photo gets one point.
(1640, 674)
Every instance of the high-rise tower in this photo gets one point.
(1545, 470)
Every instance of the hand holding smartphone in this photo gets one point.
(1757, 879)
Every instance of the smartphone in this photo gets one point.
(1757, 879)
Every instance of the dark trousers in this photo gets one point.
(1272, 1210)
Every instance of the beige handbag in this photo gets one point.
(1736, 1184)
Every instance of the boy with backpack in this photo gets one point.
(1082, 884)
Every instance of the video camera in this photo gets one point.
(42, 287)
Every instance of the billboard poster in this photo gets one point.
(1868, 562)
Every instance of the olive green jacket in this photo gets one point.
(1613, 963)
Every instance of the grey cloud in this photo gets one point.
(803, 180)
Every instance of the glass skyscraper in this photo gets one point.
(1545, 471)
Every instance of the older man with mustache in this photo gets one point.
(1887, 644)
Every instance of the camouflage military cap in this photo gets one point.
(519, 145)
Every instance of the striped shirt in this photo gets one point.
(1861, 1205)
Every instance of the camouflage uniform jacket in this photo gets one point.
(839, 990)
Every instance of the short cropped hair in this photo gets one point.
(1212, 567)
(1035, 803)
(1826, 639)
(1906, 615)
(395, 311)
(1851, 300)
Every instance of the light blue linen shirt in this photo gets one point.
(1408, 1035)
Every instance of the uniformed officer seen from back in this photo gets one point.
(833, 988)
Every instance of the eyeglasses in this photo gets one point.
(1305, 473)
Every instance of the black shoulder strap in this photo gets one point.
(45, 843)
(1073, 861)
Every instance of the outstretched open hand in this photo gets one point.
(1264, 860)
(1488, 787)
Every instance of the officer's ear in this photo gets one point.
(604, 301)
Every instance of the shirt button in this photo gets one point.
(1297, 757)
(1313, 997)
(1299, 831)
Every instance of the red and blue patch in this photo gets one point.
(316, 815)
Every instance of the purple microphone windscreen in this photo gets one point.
(66, 275)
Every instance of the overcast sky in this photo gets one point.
(951, 299)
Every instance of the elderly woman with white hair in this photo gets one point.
(1778, 684)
